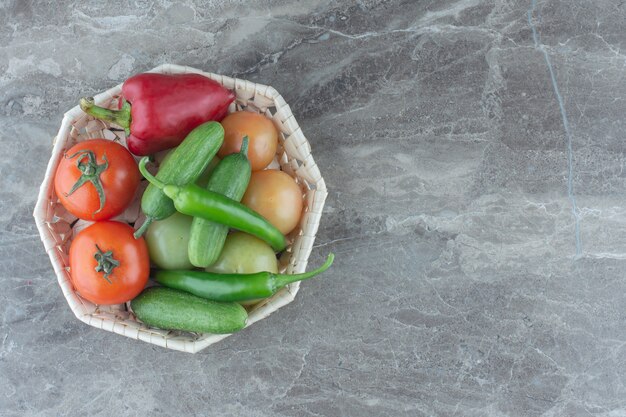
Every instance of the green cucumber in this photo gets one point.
(203, 179)
(183, 166)
(171, 309)
(230, 178)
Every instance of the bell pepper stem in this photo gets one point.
(119, 117)
(281, 280)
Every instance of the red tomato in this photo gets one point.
(107, 264)
(276, 196)
(262, 137)
(92, 166)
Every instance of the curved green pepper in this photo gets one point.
(233, 287)
(198, 202)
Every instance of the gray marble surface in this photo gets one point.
(474, 151)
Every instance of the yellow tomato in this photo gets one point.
(276, 196)
(262, 137)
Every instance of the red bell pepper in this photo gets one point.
(159, 110)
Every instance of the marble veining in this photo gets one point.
(568, 134)
(474, 154)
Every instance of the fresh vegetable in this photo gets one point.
(195, 201)
(159, 110)
(230, 178)
(203, 179)
(96, 179)
(107, 264)
(183, 167)
(259, 129)
(245, 254)
(167, 241)
(166, 308)
(233, 287)
(275, 196)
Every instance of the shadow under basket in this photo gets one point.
(57, 226)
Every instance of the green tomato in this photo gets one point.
(245, 254)
(167, 241)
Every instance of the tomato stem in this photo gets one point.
(91, 172)
(106, 262)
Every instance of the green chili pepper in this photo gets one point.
(233, 287)
(198, 202)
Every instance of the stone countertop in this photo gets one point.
(474, 152)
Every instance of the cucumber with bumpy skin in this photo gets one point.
(185, 164)
(171, 309)
(230, 178)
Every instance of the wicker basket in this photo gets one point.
(56, 225)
